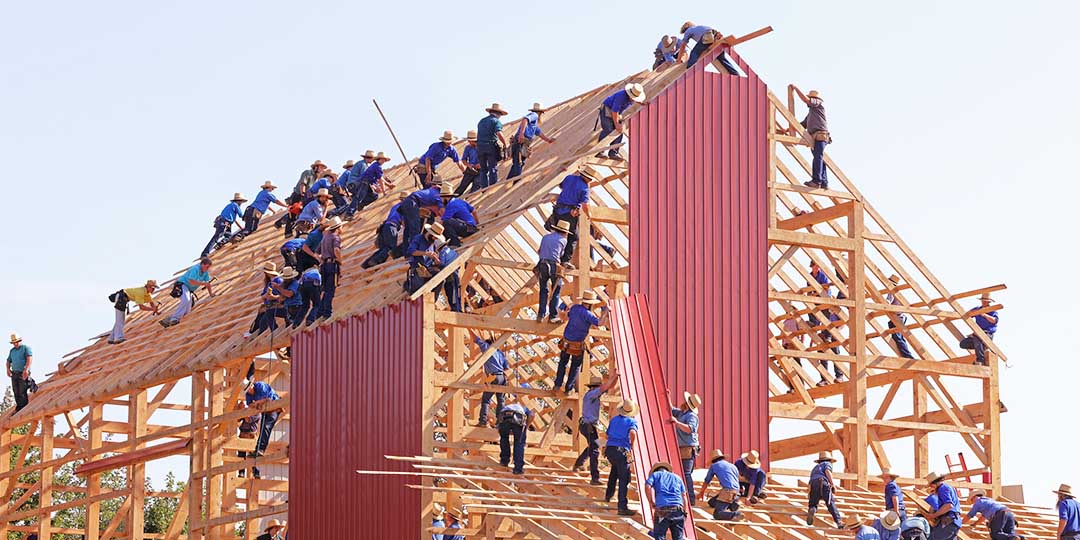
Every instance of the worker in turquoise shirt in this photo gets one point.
(725, 504)
(611, 116)
(588, 426)
(260, 206)
(521, 146)
(490, 145)
(224, 221)
(19, 359)
(436, 154)
(894, 497)
(579, 320)
(195, 277)
(665, 492)
(621, 435)
(1000, 520)
(948, 512)
(988, 322)
(1068, 513)
(888, 525)
(684, 419)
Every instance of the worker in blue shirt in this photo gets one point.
(452, 284)
(386, 239)
(1068, 513)
(898, 337)
(521, 145)
(862, 532)
(665, 492)
(313, 212)
(588, 425)
(705, 37)
(260, 206)
(887, 525)
(365, 186)
(684, 419)
(224, 221)
(573, 201)
(459, 218)
(418, 205)
(289, 291)
(272, 307)
(894, 497)
(514, 420)
(19, 359)
(470, 158)
(932, 501)
(436, 154)
(948, 512)
(725, 504)
(1000, 520)
(308, 255)
(751, 477)
(259, 394)
(338, 191)
(821, 489)
(310, 287)
(988, 322)
(665, 51)
(621, 434)
(326, 180)
(611, 116)
(290, 249)
(195, 277)
(424, 256)
(549, 270)
(495, 370)
(578, 322)
(915, 527)
(490, 145)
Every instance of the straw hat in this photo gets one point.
(887, 473)
(1064, 490)
(268, 185)
(751, 459)
(323, 192)
(589, 297)
(562, 226)
(15, 338)
(270, 268)
(824, 456)
(495, 108)
(854, 525)
(369, 154)
(628, 408)
(436, 229)
(934, 477)
(976, 493)
(894, 278)
(274, 524)
(636, 92)
(439, 512)
(447, 136)
(471, 135)
(381, 156)
(289, 273)
(814, 94)
(985, 297)
(890, 520)
(591, 172)
(693, 400)
(595, 381)
(328, 173)
(716, 454)
(334, 223)
(536, 108)
(446, 190)
(348, 164)
(686, 26)
(318, 163)
(239, 197)
(661, 465)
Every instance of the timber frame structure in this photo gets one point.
(119, 407)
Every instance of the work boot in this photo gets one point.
(813, 184)
(596, 482)
(810, 515)
(627, 512)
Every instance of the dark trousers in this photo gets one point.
(500, 399)
(362, 195)
(673, 522)
(20, 387)
(289, 257)
(220, 228)
(293, 314)
(1003, 526)
(901, 343)
(267, 319)
(700, 48)
(564, 213)
(550, 288)
(619, 475)
(607, 127)
(758, 483)
(410, 213)
(506, 430)
(946, 529)
(251, 220)
(310, 295)
(974, 343)
(452, 288)
(575, 367)
(457, 229)
(305, 261)
(468, 180)
(330, 270)
(822, 491)
(724, 511)
(817, 169)
(591, 452)
(517, 155)
(267, 427)
(386, 242)
(489, 165)
(688, 475)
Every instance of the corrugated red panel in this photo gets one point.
(641, 377)
(698, 228)
(357, 396)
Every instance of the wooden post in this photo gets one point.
(991, 400)
(428, 420)
(137, 419)
(5, 466)
(196, 487)
(455, 420)
(857, 338)
(921, 438)
(214, 453)
(583, 261)
(93, 481)
(45, 501)
(771, 169)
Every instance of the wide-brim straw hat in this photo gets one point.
(628, 408)
(151, 284)
(348, 164)
(890, 520)
(239, 197)
(887, 473)
(635, 91)
(824, 456)
(716, 454)
(272, 524)
(289, 273)
(270, 268)
(334, 223)
(985, 297)
(894, 278)
(323, 192)
(436, 230)
(692, 400)
(268, 185)
(471, 135)
(591, 172)
(537, 108)
(447, 136)
(595, 381)
(686, 26)
(446, 190)
(369, 154)
(1065, 490)
(751, 459)
(381, 156)
(318, 163)
(562, 226)
(660, 465)
(15, 338)
(495, 108)
(854, 525)
(328, 173)
(590, 297)
(934, 477)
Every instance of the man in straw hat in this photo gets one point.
(186, 285)
(416, 206)
(275, 530)
(987, 319)
(495, 369)
(915, 527)
(19, 359)
(386, 239)
(424, 256)
(289, 292)
(948, 526)
(338, 191)
(329, 269)
(579, 320)
(308, 254)
(1068, 513)
(490, 144)
(327, 179)
(527, 130)
(514, 420)
(313, 212)
(684, 418)
(898, 338)
(120, 299)
(470, 158)
(223, 222)
(366, 186)
(573, 200)
(270, 304)
(894, 497)
(861, 531)
(751, 477)
(665, 492)
(452, 284)
(665, 51)
(307, 178)
(547, 269)
(725, 504)
(588, 425)
(436, 154)
(256, 395)
(816, 136)
(459, 217)
(704, 37)
(260, 206)
(310, 287)
(1000, 520)
(888, 525)
(621, 434)
(611, 116)
(821, 489)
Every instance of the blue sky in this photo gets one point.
(124, 128)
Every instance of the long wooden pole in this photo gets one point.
(404, 158)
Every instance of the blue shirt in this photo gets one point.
(420, 243)
(579, 320)
(932, 500)
(575, 191)
(867, 533)
(885, 534)
(231, 212)
(985, 506)
(487, 128)
(893, 490)
(497, 363)
(263, 200)
(394, 217)
(322, 183)
(668, 489)
(293, 244)
(17, 357)
(987, 326)
(916, 522)
(725, 473)
(343, 180)
(428, 197)
(262, 391)
(552, 246)
(267, 289)
(372, 174)
(531, 128)
(194, 274)
(311, 275)
(618, 431)
(295, 299)
(689, 418)
(459, 209)
(438, 524)
(619, 101)
(590, 406)
(447, 255)
(358, 169)
(1069, 512)
(668, 56)
(751, 475)
(819, 470)
(313, 212)
(695, 33)
(946, 494)
(519, 408)
(437, 153)
(314, 239)
(470, 155)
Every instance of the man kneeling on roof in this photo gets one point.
(120, 299)
(751, 477)
(514, 420)
(666, 493)
(888, 525)
(861, 531)
(1000, 520)
(423, 254)
(386, 239)
(185, 287)
(725, 504)
(915, 527)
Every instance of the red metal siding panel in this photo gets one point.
(641, 377)
(357, 396)
(698, 160)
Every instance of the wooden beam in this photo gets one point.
(811, 240)
(138, 456)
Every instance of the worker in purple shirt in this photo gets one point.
(495, 369)
(224, 221)
(459, 218)
(1068, 513)
(367, 186)
(470, 158)
(948, 526)
(894, 496)
(260, 206)
(611, 116)
(415, 206)
(548, 272)
(386, 240)
(436, 154)
(579, 320)
(1000, 520)
(258, 394)
(490, 145)
(665, 491)
(704, 38)
(329, 269)
(988, 322)
(573, 201)
(821, 489)
(751, 477)
(816, 136)
(521, 145)
(588, 426)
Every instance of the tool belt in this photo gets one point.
(822, 135)
(119, 300)
(709, 37)
(727, 495)
(525, 147)
(687, 452)
(177, 289)
(665, 511)
(573, 348)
